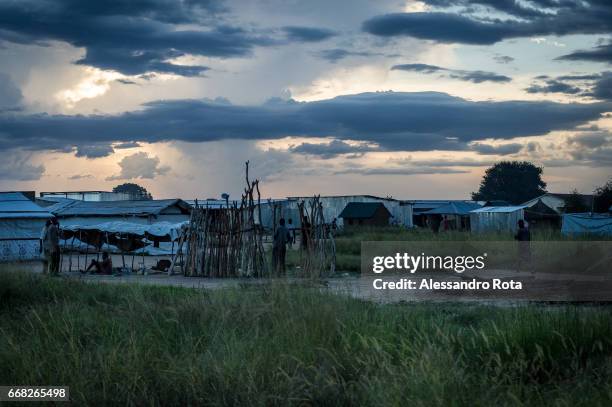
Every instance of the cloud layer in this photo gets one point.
(469, 76)
(394, 120)
(466, 24)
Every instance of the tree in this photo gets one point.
(511, 181)
(603, 197)
(574, 203)
(136, 191)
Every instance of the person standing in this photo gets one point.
(523, 235)
(291, 230)
(53, 245)
(45, 247)
(279, 248)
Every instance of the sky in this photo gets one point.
(408, 99)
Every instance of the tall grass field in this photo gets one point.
(284, 344)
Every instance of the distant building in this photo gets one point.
(21, 224)
(456, 215)
(497, 202)
(496, 219)
(333, 205)
(557, 201)
(365, 214)
(89, 196)
(421, 206)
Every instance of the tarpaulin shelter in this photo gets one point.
(587, 223)
(126, 236)
(457, 213)
(496, 219)
(541, 216)
(21, 223)
(122, 237)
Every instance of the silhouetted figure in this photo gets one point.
(101, 267)
(51, 247)
(524, 237)
(279, 247)
(45, 247)
(523, 234)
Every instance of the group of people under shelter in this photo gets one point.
(51, 253)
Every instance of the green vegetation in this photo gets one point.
(289, 344)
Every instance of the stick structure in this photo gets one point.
(226, 241)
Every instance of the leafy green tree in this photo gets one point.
(574, 203)
(136, 191)
(511, 181)
(603, 197)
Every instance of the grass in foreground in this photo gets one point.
(283, 345)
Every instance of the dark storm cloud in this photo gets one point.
(127, 144)
(601, 53)
(336, 54)
(332, 149)
(469, 76)
(465, 23)
(503, 59)
(402, 171)
(10, 95)
(554, 86)
(603, 87)
(598, 86)
(503, 149)
(94, 150)
(129, 37)
(393, 120)
(308, 34)
(595, 140)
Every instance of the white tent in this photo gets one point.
(496, 219)
(21, 223)
(584, 223)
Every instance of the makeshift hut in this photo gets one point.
(587, 224)
(496, 219)
(122, 237)
(541, 216)
(557, 201)
(365, 214)
(453, 216)
(21, 223)
(71, 212)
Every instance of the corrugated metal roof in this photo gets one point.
(498, 209)
(454, 208)
(115, 208)
(361, 210)
(343, 196)
(16, 205)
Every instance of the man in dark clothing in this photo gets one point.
(279, 247)
(523, 236)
